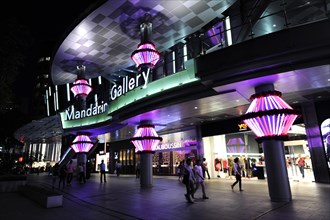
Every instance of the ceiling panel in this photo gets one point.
(105, 39)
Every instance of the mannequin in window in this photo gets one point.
(230, 166)
(218, 166)
(243, 167)
(205, 169)
(248, 167)
(224, 165)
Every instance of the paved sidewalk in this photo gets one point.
(123, 198)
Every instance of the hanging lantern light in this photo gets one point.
(269, 116)
(146, 54)
(82, 144)
(146, 139)
(81, 87)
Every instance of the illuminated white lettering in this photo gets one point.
(129, 84)
(70, 114)
(113, 92)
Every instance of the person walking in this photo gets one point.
(62, 176)
(138, 170)
(199, 178)
(205, 168)
(181, 170)
(189, 180)
(55, 173)
(118, 166)
(102, 171)
(81, 168)
(238, 175)
(69, 173)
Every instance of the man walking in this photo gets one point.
(69, 170)
(102, 170)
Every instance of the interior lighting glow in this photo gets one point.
(146, 139)
(145, 54)
(269, 116)
(68, 92)
(81, 87)
(82, 144)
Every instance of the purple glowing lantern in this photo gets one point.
(269, 116)
(82, 144)
(146, 53)
(81, 87)
(146, 139)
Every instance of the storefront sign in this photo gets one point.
(128, 84)
(242, 127)
(174, 145)
(71, 114)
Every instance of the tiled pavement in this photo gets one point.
(123, 198)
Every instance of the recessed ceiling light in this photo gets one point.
(274, 25)
(196, 107)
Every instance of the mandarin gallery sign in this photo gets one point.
(72, 114)
(128, 84)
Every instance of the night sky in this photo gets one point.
(47, 22)
(43, 21)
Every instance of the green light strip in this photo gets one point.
(160, 85)
(84, 121)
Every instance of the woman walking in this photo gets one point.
(238, 175)
(189, 180)
(200, 178)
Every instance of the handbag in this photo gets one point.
(185, 178)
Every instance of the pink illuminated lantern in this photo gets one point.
(81, 87)
(82, 144)
(146, 139)
(146, 54)
(269, 116)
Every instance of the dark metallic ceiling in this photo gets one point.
(104, 40)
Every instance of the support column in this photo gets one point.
(81, 158)
(146, 179)
(277, 175)
(315, 143)
(199, 139)
(146, 140)
(270, 118)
